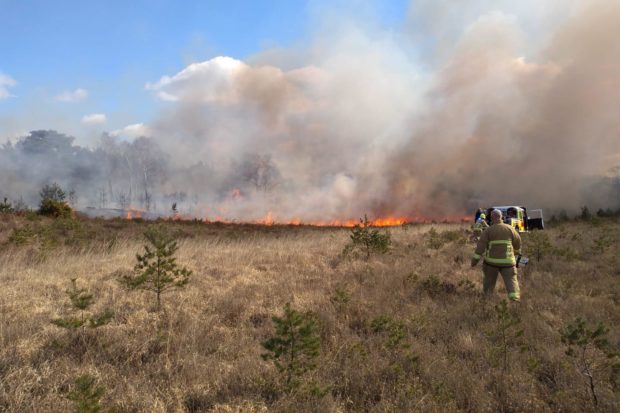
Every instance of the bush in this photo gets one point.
(6, 207)
(368, 240)
(435, 241)
(538, 243)
(53, 202)
(55, 209)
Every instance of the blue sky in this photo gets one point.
(113, 48)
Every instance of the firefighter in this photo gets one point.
(499, 245)
(479, 226)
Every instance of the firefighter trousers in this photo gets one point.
(509, 274)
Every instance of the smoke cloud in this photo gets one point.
(470, 104)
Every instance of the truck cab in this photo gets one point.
(517, 216)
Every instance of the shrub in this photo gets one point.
(368, 240)
(539, 244)
(434, 286)
(53, 202)
(403, 359)
(6, 207)
(589, 348)
(602, 243)
(86, 395)
(295, 346)
(22, 236)
(81, 300)
(395, 330)
(435, 241)
(340, 300)
(157, 269)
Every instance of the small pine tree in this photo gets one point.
(538, 243)
(585, 213)
(435, 240)
(508, 330)
(157, 269)
(295, 346)
(86, 395)
(589, 348)
(367, 239)
(81, 300)
(340, 299)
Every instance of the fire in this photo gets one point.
(270, 219)
(134, 213)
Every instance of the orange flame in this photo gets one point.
(270, 220)
(134, 213)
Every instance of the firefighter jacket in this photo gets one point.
(480, 225)
(499, 245)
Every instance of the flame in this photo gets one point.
(269, 220)
(134, 213)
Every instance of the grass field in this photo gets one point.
(405, 331)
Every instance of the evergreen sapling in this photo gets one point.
(295, 347)
(157, 269)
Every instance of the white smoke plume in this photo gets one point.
(472, 103)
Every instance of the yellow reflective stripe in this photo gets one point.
(500, 242)
(510, 260)
(476, 257)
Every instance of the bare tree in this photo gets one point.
(260, 172)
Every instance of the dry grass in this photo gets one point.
(202, 353)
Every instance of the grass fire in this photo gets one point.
(310, 206)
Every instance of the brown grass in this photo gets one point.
(202, 353)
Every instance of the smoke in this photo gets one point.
(468, 104)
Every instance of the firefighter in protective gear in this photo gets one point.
(479, 226)
(499, 245)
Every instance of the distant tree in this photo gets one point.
(157, 270)
(6, 207)
(149, 163)
(260, 172)
(585, 213)
(53, 192)
(53, 202)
